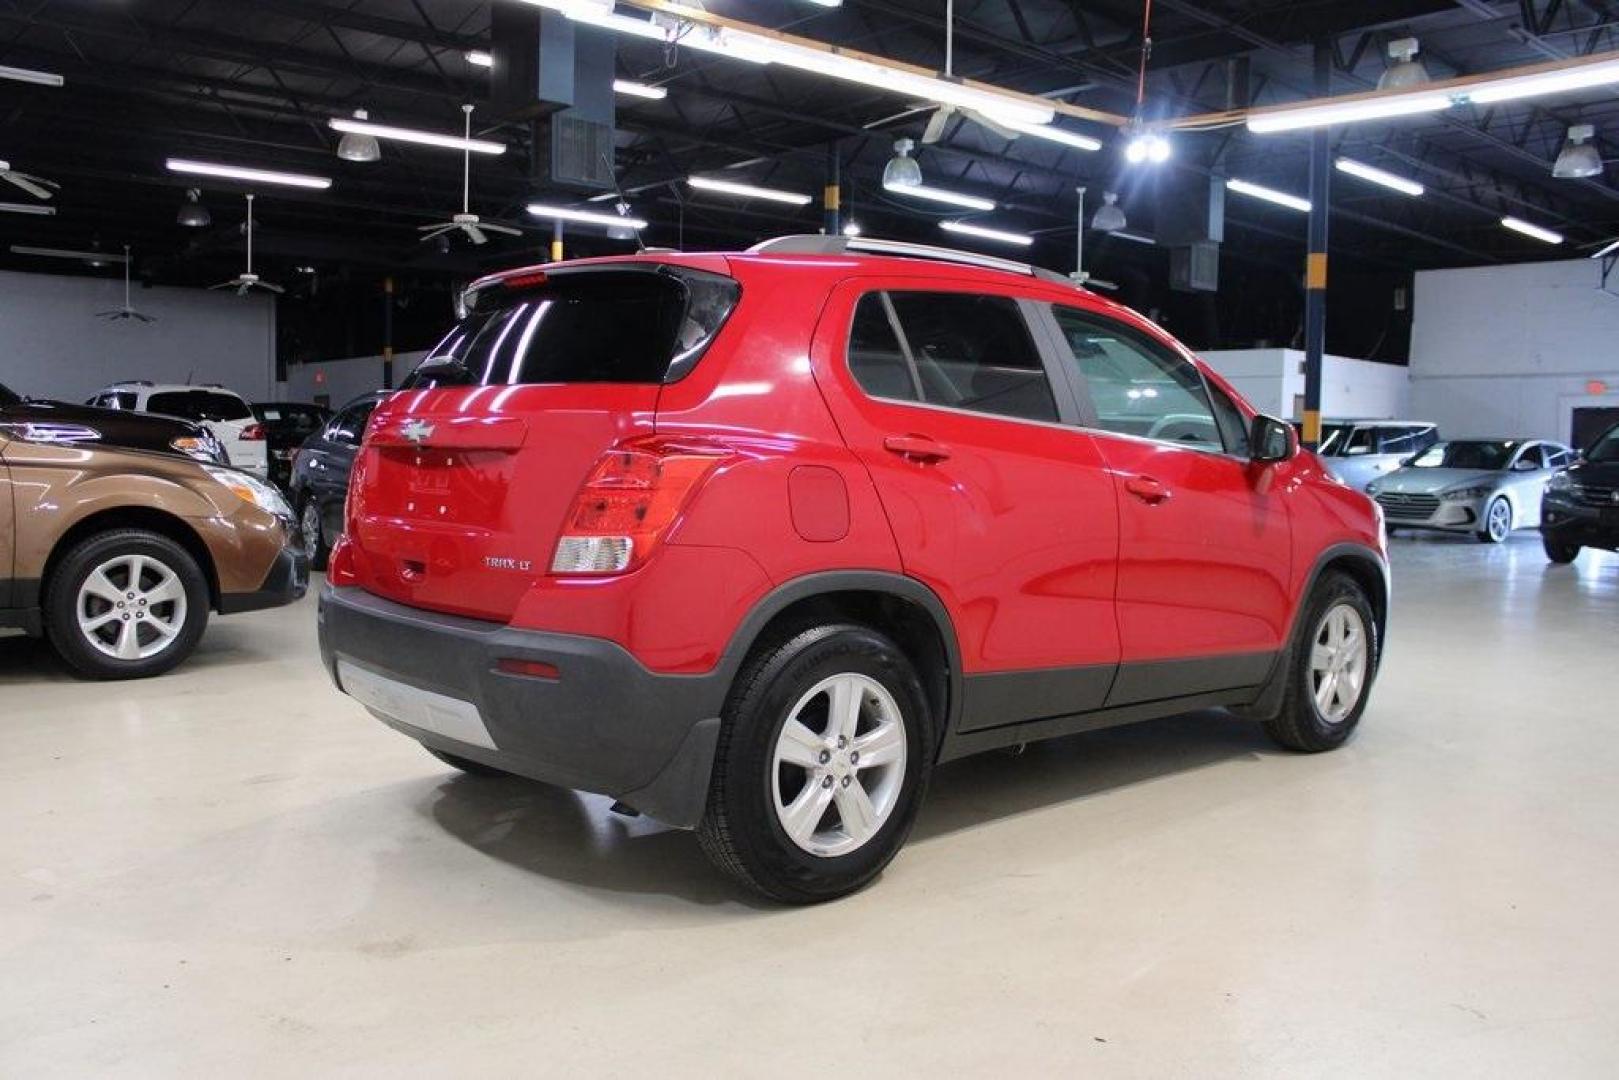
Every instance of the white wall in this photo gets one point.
(1508, 350)
(52, 345)
(1273, 381)
(343, 380)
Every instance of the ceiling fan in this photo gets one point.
(943, 114)
(128, 310)
(247, 281)
(466, 220)
(36, 186)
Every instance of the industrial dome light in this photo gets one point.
(194, 215)
(1579, 159)
(1109, 216)
(902, 170)
(357, 147)
(1406, 71)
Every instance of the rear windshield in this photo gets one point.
(613, 326)
(198, 405)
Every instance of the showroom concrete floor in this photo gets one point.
(233, 870)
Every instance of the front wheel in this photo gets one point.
(126, 604)
(1559, 551)
(313, 535)
(1332, 669)
(825, 751)
(1497, 522)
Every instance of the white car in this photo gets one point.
(223, 412)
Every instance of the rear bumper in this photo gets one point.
(287, 581)
(605, 725)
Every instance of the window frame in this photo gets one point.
(1068, 409)
(1090, 420)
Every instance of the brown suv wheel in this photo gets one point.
(126, 604)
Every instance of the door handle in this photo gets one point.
(916, 448)
(1146, 489)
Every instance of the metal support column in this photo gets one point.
(1315, 271)
(832, 198)
(388, 333)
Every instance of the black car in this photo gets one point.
(57, 421)
(1581, 507)
(320, 476)
(286, 425)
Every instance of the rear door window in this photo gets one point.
(876, 359)
(349, 425)
(610, 326)
(972, 352)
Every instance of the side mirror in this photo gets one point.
(1270, 440)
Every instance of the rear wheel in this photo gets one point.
(1497, 521)
(1332, 669)
(313, 534)
(126, 604)
(824, 755)
(1559, 551)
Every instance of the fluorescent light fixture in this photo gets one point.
(479, 58)
(36, 209)
(1514, 88)
(1609, 250)
(939, 195)
(410, 135)
(747, 191)
(1000, 237)
(759, 48)
(1133, 237)
(1519, 225)
(1280, 198)
(1378, 176)
(1050, 133)
(255, 176)
(635, 89)
(1347, 112)
(585, 216)
(65, 253)
(28, 75)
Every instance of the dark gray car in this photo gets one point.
(320, 475)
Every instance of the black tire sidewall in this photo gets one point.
(61, 601)
(775, 861)
(1317, 731)
(318, 556)
(1559, 551)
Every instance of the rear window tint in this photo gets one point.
(631, 326)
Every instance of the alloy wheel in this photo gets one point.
(838, 765)
(309, 527)
(1499, 520)
(131, 607)
(1339, 660)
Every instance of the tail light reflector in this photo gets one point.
(632, 496)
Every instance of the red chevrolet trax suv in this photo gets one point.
(750, 543)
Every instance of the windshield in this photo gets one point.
(1333, 437)
(7, 397)
(1490, 454)
(614, 326)
(1606, 448)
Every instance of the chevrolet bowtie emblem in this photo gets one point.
(417, 431)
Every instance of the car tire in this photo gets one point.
(1559, 551)
(467, 765)
(312, 534)
(1306, 723)
(1497, 524)
(125, 604)
(768, 776)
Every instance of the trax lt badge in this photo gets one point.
(417, 431)
(502, 562)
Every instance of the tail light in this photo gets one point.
(254, 433)
(632, 496)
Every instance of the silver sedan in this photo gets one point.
(1487, 487)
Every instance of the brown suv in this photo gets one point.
(119, 533)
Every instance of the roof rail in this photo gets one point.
(821, 244)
